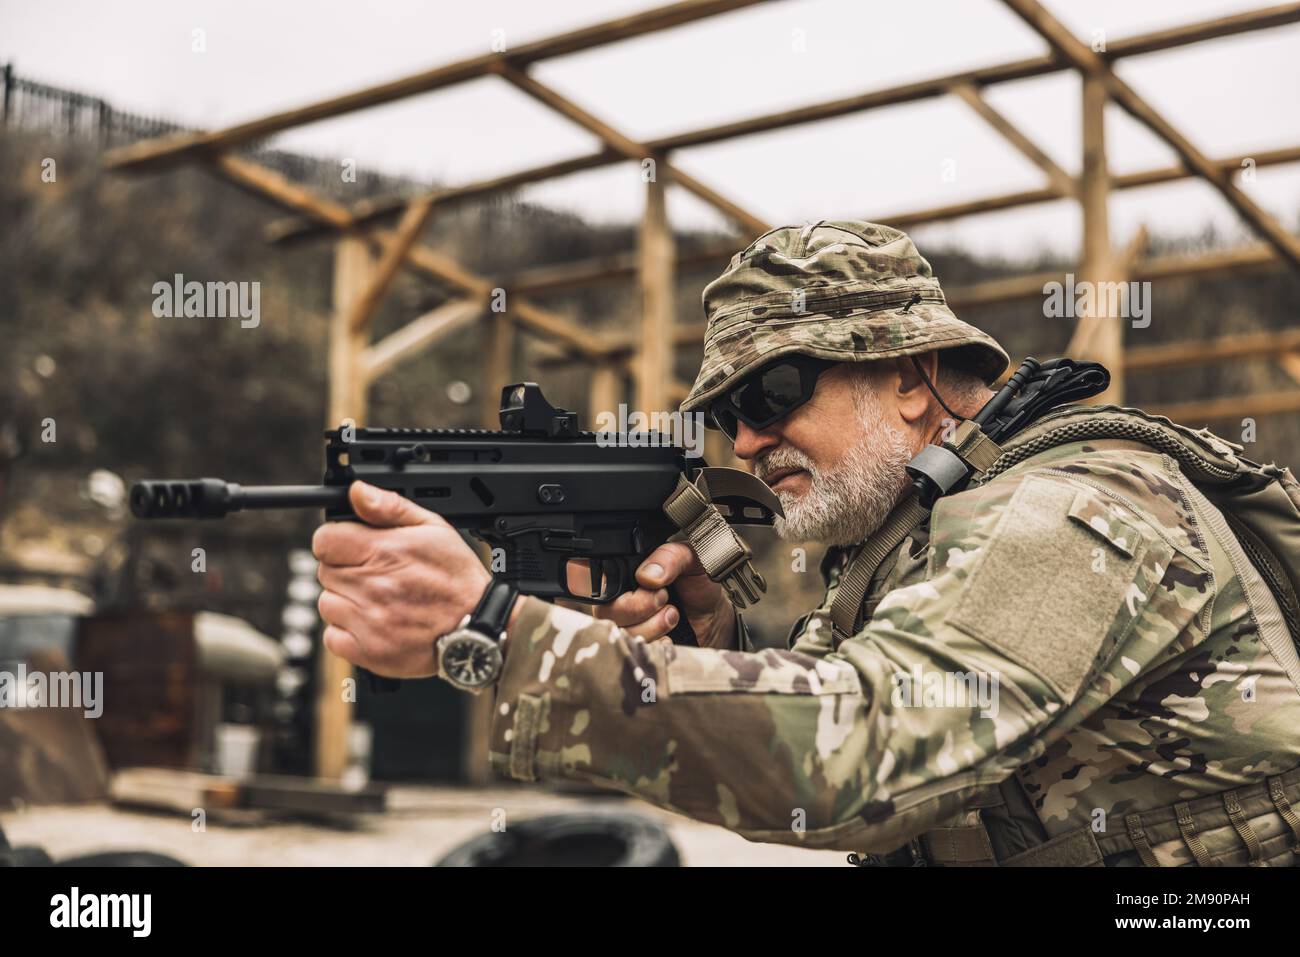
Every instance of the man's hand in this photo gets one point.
(394, 585)
(646, 612)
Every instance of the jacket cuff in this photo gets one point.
(534, 681)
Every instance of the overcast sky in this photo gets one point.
(1229, 96)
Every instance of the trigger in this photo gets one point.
(597, 577)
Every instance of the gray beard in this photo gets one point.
(846, 503)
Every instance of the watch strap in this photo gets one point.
(493, 611)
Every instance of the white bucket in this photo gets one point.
(236, 752)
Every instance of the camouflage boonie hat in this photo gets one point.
(846, 290)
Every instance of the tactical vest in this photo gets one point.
(1255, 514)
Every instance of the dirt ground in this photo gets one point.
(419, 827)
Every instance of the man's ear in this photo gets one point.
(914, 398)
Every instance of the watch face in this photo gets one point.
(470, 659)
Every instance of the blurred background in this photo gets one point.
(600, 179)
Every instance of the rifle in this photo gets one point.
(539, 492)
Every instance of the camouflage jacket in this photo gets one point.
(1072, 622)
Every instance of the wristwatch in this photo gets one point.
(470, 656)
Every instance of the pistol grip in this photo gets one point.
(682, 633)
(379, 684)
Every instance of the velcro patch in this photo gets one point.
(530, 716)
(1107, 519)
(1041, 594)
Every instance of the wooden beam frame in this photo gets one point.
(377, 209)
(1062, 183)
(985, 76)
(1275, 16)
(1233, 407)
(1149, 177)
(994, 291)
(154, 154)
(278, 189)
(408, 231)
(296, 228)
(628, 147)
(616, 266)
(1250, 345)
(1075, 52)
(417, 335)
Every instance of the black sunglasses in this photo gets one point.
(768, 395)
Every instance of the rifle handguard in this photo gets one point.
(723, 553)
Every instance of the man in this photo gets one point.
(1060, 664)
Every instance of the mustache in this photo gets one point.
(783, 458)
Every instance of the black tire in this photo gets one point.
(121, 859)
(570, 840)
(24, 857)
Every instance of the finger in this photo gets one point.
(382, 508)
(336, 609)
(577, 573)
(342, 543)
(667, 563)
(341, 642)
(346, 580)
(662, 622)
(634, 607)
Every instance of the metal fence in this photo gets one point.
(40, 107)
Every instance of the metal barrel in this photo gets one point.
(293, 496)
(215, 498)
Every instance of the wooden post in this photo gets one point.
(497, 371)
(498, 365)
(1290, 363)
(605, 394)
(353, 265)
(1099, 334)
(9, 89)
(654, 362)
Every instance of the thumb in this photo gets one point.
(382, 508)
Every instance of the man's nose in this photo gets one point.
(750, 443)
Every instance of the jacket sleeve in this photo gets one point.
(1035, 589)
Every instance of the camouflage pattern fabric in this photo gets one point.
(1071, 622)
(845, 290)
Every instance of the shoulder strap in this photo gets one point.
(1203, 455)
(847, 605)
(976, 452)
